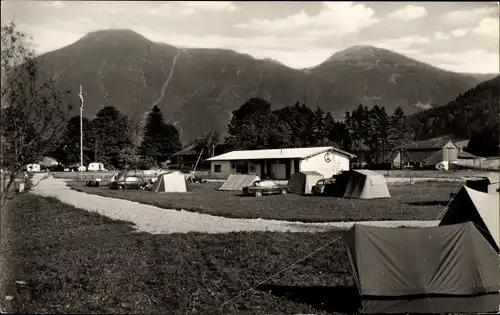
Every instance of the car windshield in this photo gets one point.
(320, 182)
(132, 179)
(265, 183)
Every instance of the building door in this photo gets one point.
(262, 169)
(296, 165)
(288, 169)
(268, 168)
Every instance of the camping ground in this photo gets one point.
(64, 259)
(421, 201)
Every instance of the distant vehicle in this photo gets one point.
(82, 168)
(323, 186)
(128, 182)
(96, 167)
(265, 187)
(33, 167)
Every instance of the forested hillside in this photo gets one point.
(472, 115)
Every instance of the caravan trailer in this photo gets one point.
(96, 167)
(33, 167)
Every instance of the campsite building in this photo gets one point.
(428, 153)
(280, 164)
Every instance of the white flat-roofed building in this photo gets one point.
(280, 164)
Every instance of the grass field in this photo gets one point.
(71, 261)
(422, 201)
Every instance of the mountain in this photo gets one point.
(482, 76)
(473, 113)
(197, 89)
(376, 75)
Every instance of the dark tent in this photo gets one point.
(360, 184)
(487, 184)
(340, 186)
(424, 270)
(478, 207)
(301, 183)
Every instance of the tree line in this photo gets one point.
(372, 131)
(472, 115)
(119, 141)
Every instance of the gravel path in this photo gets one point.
(156, 220)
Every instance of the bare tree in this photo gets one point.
(32, 115)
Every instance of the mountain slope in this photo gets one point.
(197, 89)
(375, 75)
(471, 112)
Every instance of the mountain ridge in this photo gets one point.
(198, 88)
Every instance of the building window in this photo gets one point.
(217, 168)
(233, 166)
(242, 168)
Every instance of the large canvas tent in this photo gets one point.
(117, 176)
(171, 182)
(362, 184)
(302, 182)
(238, 181)
(442, 269)
(478, 207)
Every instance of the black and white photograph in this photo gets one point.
(249, 157)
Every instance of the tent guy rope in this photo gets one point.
(281, 271)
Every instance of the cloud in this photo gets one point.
(299, 59)
(471, 61)
(440, 35)
(335, 18)
(228, 42)
(410, 12)
(208, 5)
(488, 26)
(53, 4)
(402, 45)
(459, 32)
(468, 16)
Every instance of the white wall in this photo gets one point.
(225, 168)
(327, 169)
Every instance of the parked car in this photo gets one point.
(128, 182)
(265, 187)
(323, 186)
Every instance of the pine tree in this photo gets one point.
(160, 139)
(111, 129)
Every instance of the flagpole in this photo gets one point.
(81, 127)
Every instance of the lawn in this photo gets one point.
(422, 201)
(73, 261)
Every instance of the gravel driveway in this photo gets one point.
(156, 220)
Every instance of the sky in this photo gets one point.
(460, 36)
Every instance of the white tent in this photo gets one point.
(171, 182)
(238, 181)
(366, 184)
(302, 182)
(481, 208)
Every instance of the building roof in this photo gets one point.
(288, 153)
(189, 150)
(467, 155)
(462, 144)
(432, 157)
(436, 143)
